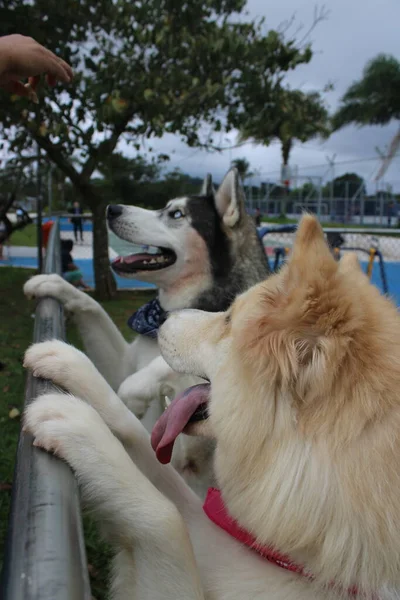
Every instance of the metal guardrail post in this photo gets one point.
(45, 552)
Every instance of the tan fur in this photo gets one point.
(305, 411)
(308, 449)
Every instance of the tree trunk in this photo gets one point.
(104, 279)
(286, 148)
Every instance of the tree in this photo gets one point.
(156, 193)
(347, 186)
(375, 98)
(122, 176)
(143, 69)
(297, 115)
(243, 166)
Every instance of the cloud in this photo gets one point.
(354, 33)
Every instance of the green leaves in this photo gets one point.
(151, 66)
(375, 98)
(295, 115)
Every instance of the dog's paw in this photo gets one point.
(63, 425)
(136, 394)
(52, 285)
(59, 362)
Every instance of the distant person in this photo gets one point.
(70, 271)
(3, 237)
(257, 217)
(6, 230)
(20, 214)
(76, 220)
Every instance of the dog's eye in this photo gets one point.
(176, 214)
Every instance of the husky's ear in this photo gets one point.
(230, 198)
(311, 254)
(207, 189)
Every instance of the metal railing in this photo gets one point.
(374, 246)
(45, 555)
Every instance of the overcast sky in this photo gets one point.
(354, 32)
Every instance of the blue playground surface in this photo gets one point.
(86, 266)
(393, 279)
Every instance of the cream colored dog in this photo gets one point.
(304, 405)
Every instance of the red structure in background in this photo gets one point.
(46, 228)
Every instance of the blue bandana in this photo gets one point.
(146, 320)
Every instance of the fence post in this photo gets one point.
(45, 555)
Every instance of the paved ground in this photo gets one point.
(23, 256)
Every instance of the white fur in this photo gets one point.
(166, 547)
(137, 371)
(304, 407)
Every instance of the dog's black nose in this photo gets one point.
(162, 318)
(114, 211)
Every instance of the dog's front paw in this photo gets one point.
(63, 424)
(59, 362)
(136, 394)
(52, 285)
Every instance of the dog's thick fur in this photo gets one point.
(218, 255)
(305, 410)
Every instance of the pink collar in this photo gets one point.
(215, 510)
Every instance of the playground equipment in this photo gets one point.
(336, 242)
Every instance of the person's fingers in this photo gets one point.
(55, 66)
(34, 81)
(30, 59)
(16, 87)
(31, 93)
(66, 67)
(20, 89)
(57, 70)
(51, 80)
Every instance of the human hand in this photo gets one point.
(22, 57)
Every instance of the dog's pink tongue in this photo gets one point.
(175, 418)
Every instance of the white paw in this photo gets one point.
(59, 362)
(63, 424)
(135, 394)
(40, 286)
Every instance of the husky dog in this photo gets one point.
(205, 250)
(304, 404)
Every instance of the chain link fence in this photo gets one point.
(378, 251)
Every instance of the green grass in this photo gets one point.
(278, 220)
(25, 236)
(16, 331)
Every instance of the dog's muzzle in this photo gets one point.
(114, 211)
